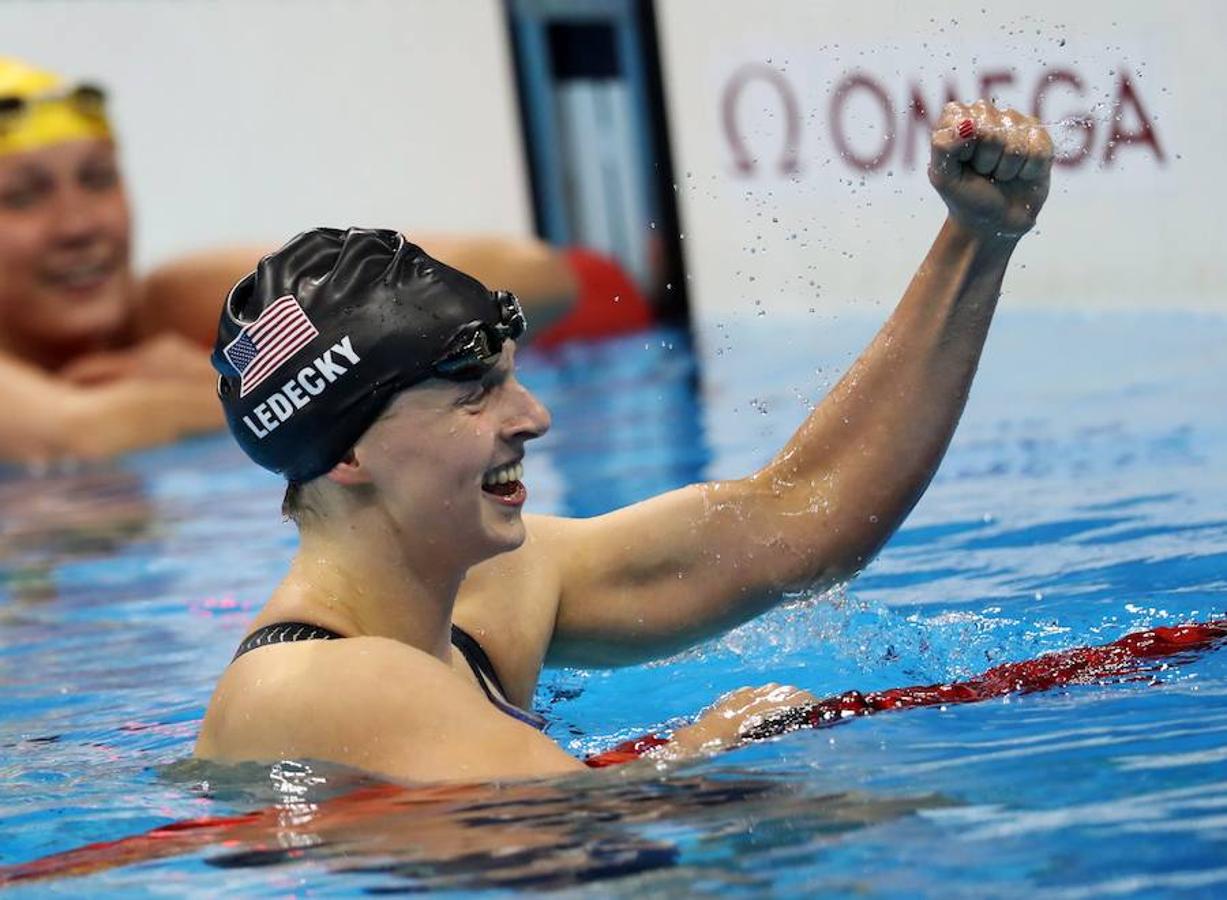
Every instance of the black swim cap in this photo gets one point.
(314, 344)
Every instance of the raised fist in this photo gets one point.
(991, 166)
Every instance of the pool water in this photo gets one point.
(1083, 497)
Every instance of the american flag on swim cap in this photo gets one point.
(265, 344)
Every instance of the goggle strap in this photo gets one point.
(86, 98)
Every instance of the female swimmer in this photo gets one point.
(409, 633)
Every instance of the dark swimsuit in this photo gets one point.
(474, 655)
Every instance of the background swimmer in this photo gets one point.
(96, 360)
(406, 483)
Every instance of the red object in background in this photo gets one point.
(608, 302)
(1079, 665)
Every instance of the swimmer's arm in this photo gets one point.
(46, 419)
(658, 576)
(536, 272)
(372, 704)
(663, 574)
(185, 296)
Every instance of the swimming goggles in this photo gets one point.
(476, 347)
(87, 99)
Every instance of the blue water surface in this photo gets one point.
(1083, 497)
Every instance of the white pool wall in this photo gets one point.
(843, 216)
(244, 121)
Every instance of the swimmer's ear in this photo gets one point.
(349, 471)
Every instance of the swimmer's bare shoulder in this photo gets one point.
(185, 296)
(374, 704)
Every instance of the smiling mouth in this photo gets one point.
(80, 277)
(504, 481)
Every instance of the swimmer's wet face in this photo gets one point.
(445, 460)
(65, 274)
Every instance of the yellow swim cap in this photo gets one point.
(37, 110)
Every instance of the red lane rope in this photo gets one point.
(177, 838)
(1080, 665)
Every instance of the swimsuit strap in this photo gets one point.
(479, 662)
(475, 655)
(281, 633)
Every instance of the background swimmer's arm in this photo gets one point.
(47, 418)
(185, 296)
(374, 704)
(658, 576)
(536, 272)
